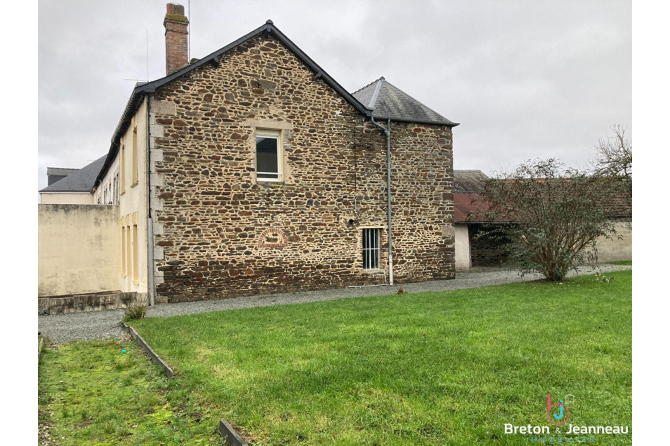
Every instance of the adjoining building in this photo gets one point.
(478, 242)
(73, 186)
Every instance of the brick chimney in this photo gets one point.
(176, 38)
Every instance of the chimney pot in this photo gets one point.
(175, 8)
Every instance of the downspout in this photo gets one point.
(387, 132)
(150, 226)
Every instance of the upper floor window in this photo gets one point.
(116, 197)
(268, 155)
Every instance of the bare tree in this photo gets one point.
(613, 163)
(550, 216)
(614, 155)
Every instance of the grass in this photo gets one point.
(92, 393)
(433, 368)
(621, 262)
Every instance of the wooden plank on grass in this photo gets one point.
(152, 354)
(228, 432)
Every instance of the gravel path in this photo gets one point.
(102, 324)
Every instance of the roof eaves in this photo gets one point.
(64, 191)
(420, 121)
(124, 122)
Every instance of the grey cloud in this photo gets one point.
(525, 78)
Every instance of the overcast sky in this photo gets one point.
(525, 79)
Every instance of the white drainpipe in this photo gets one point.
(387, 132)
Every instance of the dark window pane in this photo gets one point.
(266, 156)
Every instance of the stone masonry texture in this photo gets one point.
(220, 233)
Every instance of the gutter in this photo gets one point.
(387, 132)
(64, 192)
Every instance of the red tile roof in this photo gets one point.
(464, 204)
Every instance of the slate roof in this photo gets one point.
(389, 102)
(80, 181)
(469, 181)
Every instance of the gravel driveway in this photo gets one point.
(102, 324)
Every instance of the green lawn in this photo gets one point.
(434, 368)
(92, 393)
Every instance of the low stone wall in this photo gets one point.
(89, 302)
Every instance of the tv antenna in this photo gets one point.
(147, 78)
(189, 32)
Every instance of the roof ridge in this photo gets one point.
(375, 95)
(375, 81)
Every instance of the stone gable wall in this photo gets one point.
(220, 233)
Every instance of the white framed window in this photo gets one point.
(269, 155)
(371, 248)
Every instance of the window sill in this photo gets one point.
(134, 184)
(265, 182)
(122, 193)
(374, 271)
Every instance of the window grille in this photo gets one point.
(371, 248)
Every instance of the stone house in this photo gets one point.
(253, 171)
